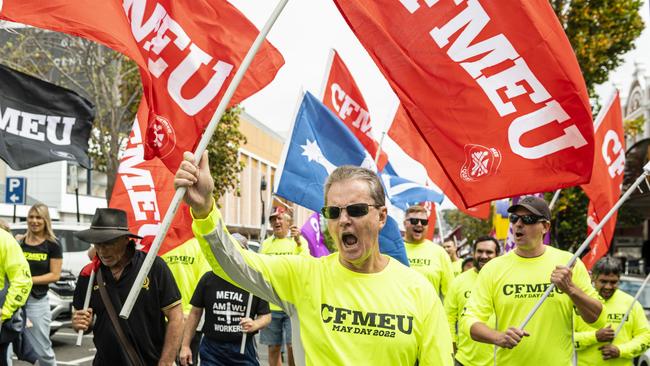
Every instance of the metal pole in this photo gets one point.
(629, 310)
(203, 143)
(89, 291)
(554, 199)
(439, 220)
(14, 219)
(76, 194)
(591, 237)
(381, 141)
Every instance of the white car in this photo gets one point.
(631, 285)
(74, 259)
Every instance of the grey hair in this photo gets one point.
(607, 266)
(349, 172)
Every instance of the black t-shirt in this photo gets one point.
(224, 305)
(146, 325)
(38, 257)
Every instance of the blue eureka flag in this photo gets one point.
(320, 143)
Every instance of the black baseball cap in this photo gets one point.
(536, 205)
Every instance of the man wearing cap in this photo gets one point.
(424, 256)
(286, 240)
(509, 287)
(145, 338)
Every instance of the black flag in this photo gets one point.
(41, 122)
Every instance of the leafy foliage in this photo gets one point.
(225, 163)
(472, 227)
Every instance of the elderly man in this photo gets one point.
(143, 339)
(598, 346)
(511, 285)
(353, 307)
(468, 351)
(286, 240)
(425, 256)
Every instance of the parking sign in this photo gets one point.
(15, 190)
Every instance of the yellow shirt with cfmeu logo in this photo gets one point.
(284, 246)
(457, 267)
(338, 317)
(469, 352)
(433, 262)
(509, 286)
(187, 264)
(632, 341)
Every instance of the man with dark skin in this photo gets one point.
(119, 263)
(601, 346)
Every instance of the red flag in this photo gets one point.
(493, 87)
(604, 190)
(187, 52)
(144, 189)
(343, 97)
(405, 134)
(90, 267)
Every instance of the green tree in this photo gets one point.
(225, 163)
(472, 227)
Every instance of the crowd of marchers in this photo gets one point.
(204, 301)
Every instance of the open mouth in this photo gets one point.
(518, 235)
(348, 240)
(418, 230)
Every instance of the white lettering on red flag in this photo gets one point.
(604, 189)
(187, 51)
(500, 75)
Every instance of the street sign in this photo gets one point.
(15, 190)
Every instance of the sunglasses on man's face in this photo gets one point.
(526, 219)
(353, 210)
(415, 221)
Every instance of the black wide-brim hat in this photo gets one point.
(108, 224)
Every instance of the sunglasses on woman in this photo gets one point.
(526, 219)
(353, 210)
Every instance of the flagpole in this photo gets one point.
(439, 220)
(89, 291)
(554, 199)
(203, 143)
(591, 237)
(629, 309)
(248, 315)
(328, 69)
(381, 142)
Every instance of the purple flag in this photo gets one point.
(312, 233)
(510, 240)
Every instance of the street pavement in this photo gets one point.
(68, 354)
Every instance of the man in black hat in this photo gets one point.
(144, 338)
(509, 287)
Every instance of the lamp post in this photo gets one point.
(263, 225)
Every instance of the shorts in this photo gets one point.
(216, 353)
(278, 332)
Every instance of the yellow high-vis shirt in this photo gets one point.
(509, 286)
(433, 262)
(14, 269)
(632, 341)
(469, 352)
(187, 264)
(338, 317)
(284, 246)
(457, 267)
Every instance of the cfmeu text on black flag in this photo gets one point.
(41, 122)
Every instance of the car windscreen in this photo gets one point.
(70, 243)
(631, 287)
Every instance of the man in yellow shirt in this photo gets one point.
(509, 287)
(425, 256)
(598, 346)
(452, 251)
(353, 307)
(468, 351)
(286, 240)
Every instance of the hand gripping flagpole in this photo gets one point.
(591, 237)
(629, 310)
(203, 143)
(89, 291)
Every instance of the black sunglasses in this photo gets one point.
(526, 219)
(415, 221)
(353, 210)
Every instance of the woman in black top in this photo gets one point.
(45, 257)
